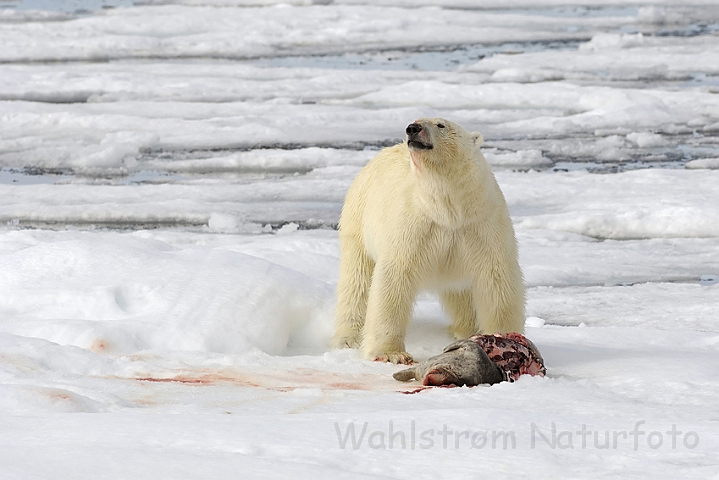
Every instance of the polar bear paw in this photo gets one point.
(403, 358)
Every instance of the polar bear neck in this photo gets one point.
(453, 196)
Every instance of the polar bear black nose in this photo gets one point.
(414, 128)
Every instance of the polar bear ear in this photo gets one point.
(477, 138)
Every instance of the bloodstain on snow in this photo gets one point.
(425, 387)
(65, 400)
(203, 379)
(58, 395)
(282, 380)
(99, 346)
(172, 380)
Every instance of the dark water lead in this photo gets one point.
(439, 58)
(84, 6)
(38, 176)
(67, 6)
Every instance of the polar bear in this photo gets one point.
(426, 214)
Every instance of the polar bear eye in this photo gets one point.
(440, 125)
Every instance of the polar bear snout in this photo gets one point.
(418, 137)
(413, 129)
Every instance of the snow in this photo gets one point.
(171, 174)
(710, 163)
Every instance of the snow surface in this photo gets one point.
(170, 176)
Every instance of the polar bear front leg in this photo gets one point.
(388, 310)
(459, 306)
(352, 290)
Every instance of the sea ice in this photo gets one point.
(170, 177)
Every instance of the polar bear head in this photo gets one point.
(433, 140)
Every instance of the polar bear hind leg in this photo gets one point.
(500, 306)
(459, 305)
(356, 269)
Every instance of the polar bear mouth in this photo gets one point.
(419, 145)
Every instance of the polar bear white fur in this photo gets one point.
(426, 214)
